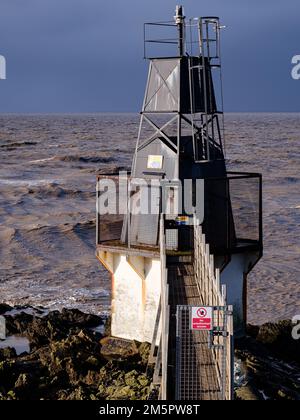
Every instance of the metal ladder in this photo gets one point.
(206, 128)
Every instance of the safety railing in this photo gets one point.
(201, 36)
(233, 212)
(128, 211)
(165, 313)
(110, 199)
(214, 295)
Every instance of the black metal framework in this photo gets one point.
(198, 43)
(198, 33)
(233, 220)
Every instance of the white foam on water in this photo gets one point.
(42, 160)
(28, 183)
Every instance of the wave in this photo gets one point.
(44, 188)
(15, 145)
(85, 159)
(57, 191)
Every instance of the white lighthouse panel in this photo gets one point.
(163, 88)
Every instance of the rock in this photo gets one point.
(245, 393)
(143, 380)
(144, 351)
(91, 378)
(78, 393)
(131, 378)
(7, 353)
(7, 374)
(11, 395)
(76, 318)
(118, 349)
(67, 361)
(54, 326)
(4, 308)
(278, 339)
(268, 375)
(107, 327)
(18, 324)
(22, 381)
(125, 393)
(252, 330)
(73, 358)
(93, 361)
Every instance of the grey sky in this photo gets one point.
(86, 55)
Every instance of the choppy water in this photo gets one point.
(47, 206)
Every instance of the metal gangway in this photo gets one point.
(192, 364)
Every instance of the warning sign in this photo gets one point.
(201, 318)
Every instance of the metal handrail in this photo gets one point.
(165, 312)
(213, 294)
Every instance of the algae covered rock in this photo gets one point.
(272, 371)
(68, 361)
(113, 348)
(277, 337)
(7, 353)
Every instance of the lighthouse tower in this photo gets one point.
(178, 178)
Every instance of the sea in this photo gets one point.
(48, 166)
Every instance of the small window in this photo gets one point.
(155, 162)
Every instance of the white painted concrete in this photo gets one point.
(136, 283)
(233, 276)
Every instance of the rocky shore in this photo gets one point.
(70, 359)
(73, 356)
(269, 363)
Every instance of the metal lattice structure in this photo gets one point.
(180, 97)
(201, 370)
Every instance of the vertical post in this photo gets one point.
(165, 340)
(178, 352)
(178, 144)
(179, 20)
(230, 351)
(203, 56)
(225, 373)
(191, 88)
(165, 312)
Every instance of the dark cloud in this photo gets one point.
(86, 55)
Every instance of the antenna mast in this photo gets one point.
(179, 20)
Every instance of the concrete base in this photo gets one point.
(234, 276)
(136, 283)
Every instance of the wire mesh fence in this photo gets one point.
(202, 369)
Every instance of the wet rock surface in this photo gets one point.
(270, 359)
(70, 359)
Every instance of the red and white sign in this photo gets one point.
(202, 318)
